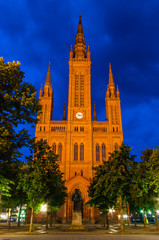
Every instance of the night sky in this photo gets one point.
(125, 33)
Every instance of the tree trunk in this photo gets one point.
(156, 214)
(128, 213)
(121, 214)
(107, 220)
(19, 216)
(104, 216)
(54, 217)
(144, 218)
(47, 220)
(135, 218)
(10, 215)
(31, 220)
(50, 218)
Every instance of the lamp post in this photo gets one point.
(43, 210)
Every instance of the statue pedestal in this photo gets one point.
(76, 222)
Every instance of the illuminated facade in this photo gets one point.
(79, 139)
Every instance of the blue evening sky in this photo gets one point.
(125, 33)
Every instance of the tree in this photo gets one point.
(113, 179)
(18, 105)
(153, 176)
(18, 196)
(100, 190)
(41, 179)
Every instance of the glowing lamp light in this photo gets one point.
(3, 216)
(43, 207)
(119, 217)
(125, 216)
(111, 210)
(149, 212)
(141, 211)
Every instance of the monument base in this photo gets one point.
(76, 222)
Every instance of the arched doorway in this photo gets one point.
(77, 200)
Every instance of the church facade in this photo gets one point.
(79, 139)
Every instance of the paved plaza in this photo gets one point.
(79, 237)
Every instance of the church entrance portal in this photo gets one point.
(78, 202)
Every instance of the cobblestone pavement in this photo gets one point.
(79, 237)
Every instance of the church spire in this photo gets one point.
(80, 27)
(48, 76)
(80, 47)
(111, 80)
(94, 113)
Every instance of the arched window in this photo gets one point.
(103, 153)
(81, 152)
(60, 152)
(116, 147)
(54, 148)
(76, 152)
(97, 153)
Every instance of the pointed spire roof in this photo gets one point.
(80, 47)
(48, 76)
(111, 80)
(80, 27)
(94, 113)
(64, 112)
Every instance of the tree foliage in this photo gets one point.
(41, 179)
(113, 179)
(18, 105)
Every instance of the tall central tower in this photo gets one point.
(79, 100)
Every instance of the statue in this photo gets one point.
(76, 197)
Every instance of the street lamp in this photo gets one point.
(43, 210)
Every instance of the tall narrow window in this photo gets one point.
(81, 152)
(60, 152)
(45, 113)
(82, 90)
(54, 148)
(97, 153)
(116, 147)
(76, 152)
(76, 89)
(103, 153)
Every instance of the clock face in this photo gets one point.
(79, 115)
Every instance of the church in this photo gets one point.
(79, 139)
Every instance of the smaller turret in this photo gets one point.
(88, 53)
(71, 53)
(64, 113)
(111, 92)
(94, 113)
(41, 92)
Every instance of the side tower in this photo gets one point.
(113, 112)
(46, 100)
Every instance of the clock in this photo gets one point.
(79, 115)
